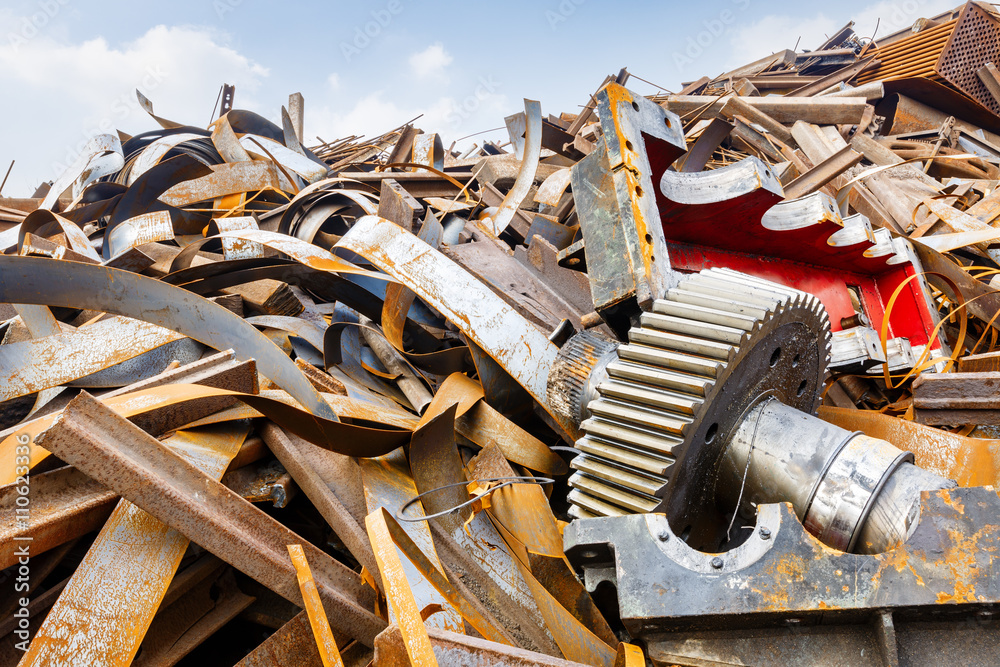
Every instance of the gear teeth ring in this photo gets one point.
(663, 381)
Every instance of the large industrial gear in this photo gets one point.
(667, 402)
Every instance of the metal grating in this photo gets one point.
(974, 42)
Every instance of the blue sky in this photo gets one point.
(69, 68)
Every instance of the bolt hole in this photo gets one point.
(667, 121)
(802, 388)
(635, 105)
(775, 356)
(649, 238)
(795, 361)
(628, 144)
(638, 191)
(652, 259)
(713, 431)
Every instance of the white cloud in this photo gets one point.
(62, 93)
(431, 62)
(333, 81)
(452, 116)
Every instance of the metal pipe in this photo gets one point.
(855, 493)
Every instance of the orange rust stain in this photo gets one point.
(953, 502)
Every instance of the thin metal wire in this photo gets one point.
(509, 482)
(746, 470)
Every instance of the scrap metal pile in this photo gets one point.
(698, 379)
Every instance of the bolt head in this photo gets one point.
(717, 563)
(663, 536)
(765, 533)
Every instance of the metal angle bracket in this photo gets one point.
(616, 188)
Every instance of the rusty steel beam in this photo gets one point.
(112, 596)
(63, 504)
(835, 111)
(823, 173)
(305, 463)
(191, 619)
(117, 453)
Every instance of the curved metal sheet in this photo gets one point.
(43, 281)
(154, 152)
(36, 222)
(81, 173)
(526, 177)
(41, 363)
(516, 344)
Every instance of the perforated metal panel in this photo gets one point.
(974, 42)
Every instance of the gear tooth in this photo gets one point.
(660, 389)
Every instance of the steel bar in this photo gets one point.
(133, 463)
(111, 598)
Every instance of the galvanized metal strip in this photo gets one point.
(238, 248)
(41, 363)
(143, 228)
(397, 588)
(551, 190)
(301, 251)
(50, 282)
(227, 143)
(304, 329)
(328, 651)
(308, 169)
(114, 452)
(114, 593)
(510, 339)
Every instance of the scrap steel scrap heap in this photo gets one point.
(705, 378)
